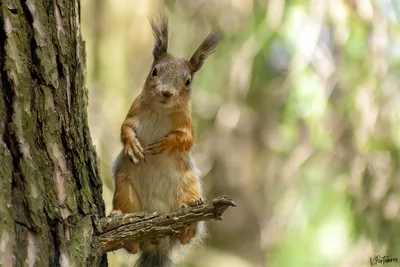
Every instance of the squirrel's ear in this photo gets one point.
(160, 31)
(206, 48)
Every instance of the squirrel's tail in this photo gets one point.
(149, 259)
(156, 254)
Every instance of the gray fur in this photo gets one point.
(206, 48)
(159, 24)
(160, 259)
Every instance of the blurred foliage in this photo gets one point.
(297, 118)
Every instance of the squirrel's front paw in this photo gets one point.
(133, 149)
(157, 147)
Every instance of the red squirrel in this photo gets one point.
(154, 171)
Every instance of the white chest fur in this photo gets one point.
(152, 126)
(157, 181)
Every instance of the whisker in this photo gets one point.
(197, 102)
(126, 87)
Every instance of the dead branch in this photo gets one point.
(115, 232)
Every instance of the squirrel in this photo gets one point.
(154, 171)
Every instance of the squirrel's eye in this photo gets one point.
(187, 83)
(154, 72)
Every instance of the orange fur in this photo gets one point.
(125, 196)
(128, 126)
(190, 191)
(190, 194)
(184, 135)
(125, 200)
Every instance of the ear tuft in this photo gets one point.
(206, 48)
(159, 24)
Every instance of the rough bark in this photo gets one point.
(120, 231)
(50, 189)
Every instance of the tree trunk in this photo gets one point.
(50, 188)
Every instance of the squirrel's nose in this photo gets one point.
(166, 93)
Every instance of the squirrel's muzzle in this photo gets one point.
(166, 93)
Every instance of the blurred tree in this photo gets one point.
(296, 115)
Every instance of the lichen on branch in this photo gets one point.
(118, 231)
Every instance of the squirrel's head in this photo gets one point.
(170, 78)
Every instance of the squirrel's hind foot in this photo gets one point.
(188, 233)
(133, 249)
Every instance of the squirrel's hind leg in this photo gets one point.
(191, 196)
(125, 200)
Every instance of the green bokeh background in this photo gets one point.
(297, 116)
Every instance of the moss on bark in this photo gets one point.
(49, 180)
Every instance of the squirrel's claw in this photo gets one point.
(138, 151)
(156, 148)
(192, 204)
(197, 202)
(129, 152)
(114, 213)
(134, 149)
(132, 157)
